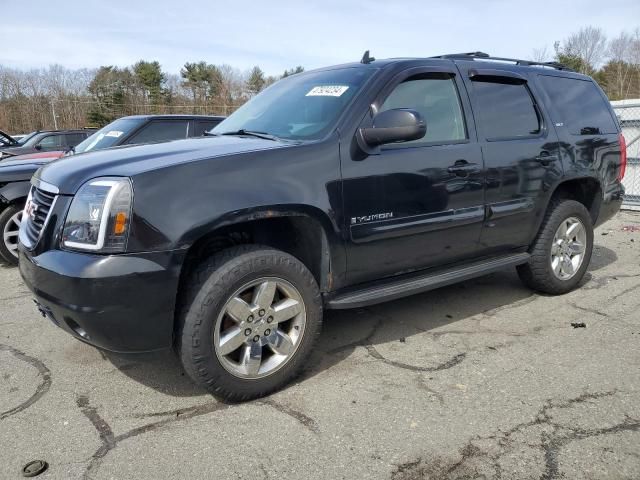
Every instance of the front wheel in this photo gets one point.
(10, 219)
(561, 252)
(249, 321)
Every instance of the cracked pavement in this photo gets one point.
(484, 379)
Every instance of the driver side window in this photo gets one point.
(435, 97)
(51, 142)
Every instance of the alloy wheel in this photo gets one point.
(10, 233)
(260, 328)
(568, 248)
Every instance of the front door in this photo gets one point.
(416, 204)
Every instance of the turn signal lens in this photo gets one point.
(120, 225)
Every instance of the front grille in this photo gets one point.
(37, 213)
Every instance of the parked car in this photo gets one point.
(7, 141)
(16, 171)
(47, 140)
(336, 188)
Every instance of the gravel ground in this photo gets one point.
(484, 379)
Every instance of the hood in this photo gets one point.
(13, 169)
(44, 156)
(69, 173)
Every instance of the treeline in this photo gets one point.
(57, 97)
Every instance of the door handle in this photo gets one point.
(462, 168)
(545, 158)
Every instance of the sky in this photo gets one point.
(280, 34)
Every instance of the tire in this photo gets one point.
(220, 285)
(545, 272)
(9, 224)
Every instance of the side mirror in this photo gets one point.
(390, 126)
(38, 147)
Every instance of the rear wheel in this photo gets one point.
(561, 253)
(10, 219)
(249, 321)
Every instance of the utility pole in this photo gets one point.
(53, 112)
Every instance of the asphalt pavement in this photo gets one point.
(484, 379)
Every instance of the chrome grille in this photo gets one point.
(37, 213)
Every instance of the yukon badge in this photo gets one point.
(371, 218)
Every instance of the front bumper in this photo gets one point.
(121, 303)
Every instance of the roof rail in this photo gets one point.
(486, 56)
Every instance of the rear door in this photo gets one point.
(520, 152)
(416, 204)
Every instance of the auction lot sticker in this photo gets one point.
(327, 91)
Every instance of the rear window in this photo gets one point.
(578, 104)
(506, 110)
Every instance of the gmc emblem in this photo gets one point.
(31, 209)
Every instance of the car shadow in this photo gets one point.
(346, 330)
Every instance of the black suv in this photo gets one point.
(335, 188)
(15, 172)
(46, 141)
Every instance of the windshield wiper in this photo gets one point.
(252, 133)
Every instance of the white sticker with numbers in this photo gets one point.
(327, 91)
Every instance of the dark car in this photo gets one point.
(336, 188)
(16, 171)
(46, 140)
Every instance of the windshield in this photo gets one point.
(110, 135)
(305, 106)
(27, 138)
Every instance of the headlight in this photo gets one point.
(99, 216)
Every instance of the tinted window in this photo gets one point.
(161, 131)
(579, 105)
(52, 142)
(202, 126)
(505, 110)
(436, 99)
(74, 139)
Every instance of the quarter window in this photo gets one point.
(435, 97)
(578, 105)
(505, 110)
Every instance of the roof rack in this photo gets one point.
(486, 56)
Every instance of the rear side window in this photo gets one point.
(202, 126)
(160, 131)
(578, 104)
(435, 97)
(74, 139)
(506, 110)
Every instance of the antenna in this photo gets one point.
(366, 59)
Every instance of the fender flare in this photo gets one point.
(333, 254)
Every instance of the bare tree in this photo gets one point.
(589, 44)
(541, 54)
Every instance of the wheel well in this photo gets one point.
(584, 190)
(300, 236)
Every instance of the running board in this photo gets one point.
(420, 282)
